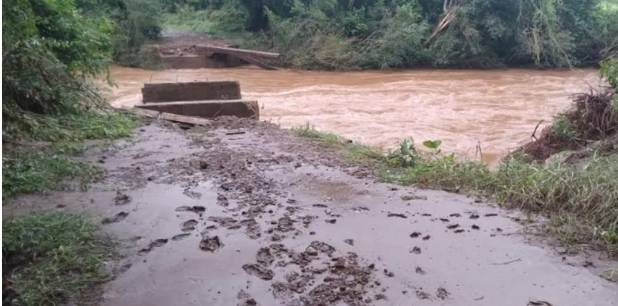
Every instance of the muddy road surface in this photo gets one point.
(243, 213)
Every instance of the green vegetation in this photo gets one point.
(367, 34)
(52, 258)
(354, 152)
(135, 23)
(45, 154)
(52, 49)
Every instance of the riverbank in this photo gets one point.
(243, 212)
(361, 35)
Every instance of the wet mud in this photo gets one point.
(214, 217)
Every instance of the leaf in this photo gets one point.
(432, 144)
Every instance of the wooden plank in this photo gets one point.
(234, 51)
(256, 62)
(170, 117)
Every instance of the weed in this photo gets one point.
(52, 257)
(563, 128)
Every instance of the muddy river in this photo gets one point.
(497, 109)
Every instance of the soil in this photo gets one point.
(211, 217)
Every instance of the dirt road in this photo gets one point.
(243, 213)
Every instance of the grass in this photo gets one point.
(41, 152)
(52, 258)
(36, 171)
(581, 200)
(355, 153)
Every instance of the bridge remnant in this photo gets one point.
(205, 56)
(198, 99)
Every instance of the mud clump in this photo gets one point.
(116, 218)
(422, 295)
(258, 271)
(281, 290)
(247, 302)
(264, 257)
(285, 224)
(189, 225)
(307, 220)
(415, 250)
(245, 299)
(222, 201)
(223, 221)
(210, 244)
(346, 283)
(195, 209)
(180, 236)
(153, 244)
(415, 235)
(254, 231)
(297, 282)
(322, 247)
(442, 294)
(397, 215)
(121, 199)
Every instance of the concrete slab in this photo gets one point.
(193, 91)
(208, 109)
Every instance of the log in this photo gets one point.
(239, 52)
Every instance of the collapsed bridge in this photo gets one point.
(207, 100)
(207, 56)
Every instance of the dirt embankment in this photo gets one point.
(590, 126)
(243, 213)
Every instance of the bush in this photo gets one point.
(135, 23)
(49, 52)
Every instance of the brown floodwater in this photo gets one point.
(496, 109)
